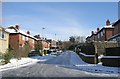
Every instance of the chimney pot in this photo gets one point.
(107, 22)
(17, 26)
(98, 29)
(92, 32)
(28, 32)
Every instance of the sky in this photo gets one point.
(60, 19)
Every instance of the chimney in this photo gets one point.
(98, 29)
(38, 35)
(92, 32)
(107, 22)
(17, 27)
(28, 32)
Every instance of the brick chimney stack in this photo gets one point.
(28, 32)
(107, 22)
(98, 29)
(17, 27)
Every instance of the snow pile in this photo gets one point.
(15, 63)
(72, 60)
(68, 58)
(75, 59)
(42, 58)
(97, 68)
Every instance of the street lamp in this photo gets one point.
(55, 42)
(42, 30)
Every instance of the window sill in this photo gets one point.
(3, 39)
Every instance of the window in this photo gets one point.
(26, 38)
(3, 35)
(101, 34)
(22, 37)
(33, 41)
(98, 35)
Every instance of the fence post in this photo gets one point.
(96, 53)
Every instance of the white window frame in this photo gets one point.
(33, 41)
(26, 38)
(3, 35)
(23, 37)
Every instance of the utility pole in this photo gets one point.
(1, 12)
(43, 31)
(55, 42)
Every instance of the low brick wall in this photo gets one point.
(111, 62)
(112, 57)
(88, 59)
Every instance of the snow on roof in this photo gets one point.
(110, 26)
(14, 30)
(11, 30)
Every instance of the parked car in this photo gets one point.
(34, 53)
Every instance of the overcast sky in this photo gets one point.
(64, 19)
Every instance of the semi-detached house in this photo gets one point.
(4, 40)
(116, 36)
(102, 34)
(18, 38)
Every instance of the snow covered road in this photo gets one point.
(68, 64)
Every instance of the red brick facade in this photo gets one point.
(18, 39)
(102, 34)
(117, 27)
(45, 44)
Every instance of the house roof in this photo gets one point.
(110, 26)
(13, 30)
(116, 22)
(3, 29)
(105, 27)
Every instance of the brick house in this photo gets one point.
(116, 36)
(18, 38)
(43, 43)
(102, 34)
(4, 40)
(91, 38)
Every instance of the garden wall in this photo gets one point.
(112, 57)
(87, 58)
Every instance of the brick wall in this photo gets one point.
(14, 41)
(117, 28)
(109, 33)
(111, 62)
(88, 59)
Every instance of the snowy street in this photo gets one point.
(68, 64)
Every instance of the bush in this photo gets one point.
(1, 56)
(88, 49)
(45, 52)
(7, 56)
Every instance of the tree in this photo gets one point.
(66, 44)
(7, 56)
(26, 48)
(72, 39)
(38, 45)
